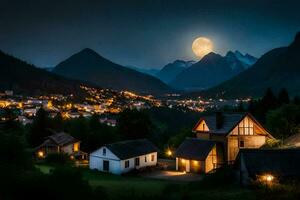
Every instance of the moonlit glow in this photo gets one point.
(202, 46)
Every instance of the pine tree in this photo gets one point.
(283, 97)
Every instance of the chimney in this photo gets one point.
(219, 119)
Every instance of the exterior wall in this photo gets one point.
(254, 141)
(97, 158)
(194, 166)
(205, 136)
(211, 160)
(202, 126)
(142, 162)
(68, 149)
(117, 166)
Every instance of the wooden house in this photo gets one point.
(60, 143)
(122, 157)
(229, 133)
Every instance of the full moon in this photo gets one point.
(202, 46)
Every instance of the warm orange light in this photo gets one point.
(182, 161)
(76, 147)
(169, 152)
(195, 162)
(269, 178)
(41, 154)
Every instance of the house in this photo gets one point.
(108, 122)
(267, 165)
(196, 155)
(229, 133)
(122, 157)
(61, 143)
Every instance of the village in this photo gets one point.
(231, 141)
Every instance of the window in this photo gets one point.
(137, 161)
(242, 143)
(145, 158)
(203, 127)
(152, 157)
(126, 163)
(104, 152)
(76, 147)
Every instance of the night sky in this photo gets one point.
(143, 33)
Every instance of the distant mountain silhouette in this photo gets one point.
(150, 71)
(171, 70)
(278, 68)
(211, 70)
(89, 66)
(24, 78)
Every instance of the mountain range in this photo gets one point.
(24, 78)
(87, 65)
(212, 70)
(276, 69)
(171, 70)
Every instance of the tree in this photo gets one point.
(57, 123)
(283, 97)
(39, 129)
(296, 100)
(133, 124)
(284, 121)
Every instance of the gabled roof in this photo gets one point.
(284, 162)
(293, 140)
(195, 149)
(131, 148)
(62, 139)
(229, 122)
(58, 139)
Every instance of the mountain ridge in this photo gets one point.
(107, 74)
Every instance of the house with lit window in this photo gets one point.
(125, 156)
(61, 143)
(219, 137)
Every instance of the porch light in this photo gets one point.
(182, 161)
(169, 152)
(269, 178)
(41, 154)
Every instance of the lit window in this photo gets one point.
(152, 157)
(76, 147)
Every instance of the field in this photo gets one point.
(136, 187)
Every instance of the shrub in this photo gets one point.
(58, 158)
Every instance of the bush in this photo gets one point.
(58, 158)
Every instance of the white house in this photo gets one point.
(122, 157)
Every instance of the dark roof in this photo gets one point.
(61, 139)
(293, 140)
(283, 162)
(131, 148)
(195, 149)
(229, 122)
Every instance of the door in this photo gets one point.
(105, 165)
(181, 165)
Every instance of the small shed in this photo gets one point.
(122, 157)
